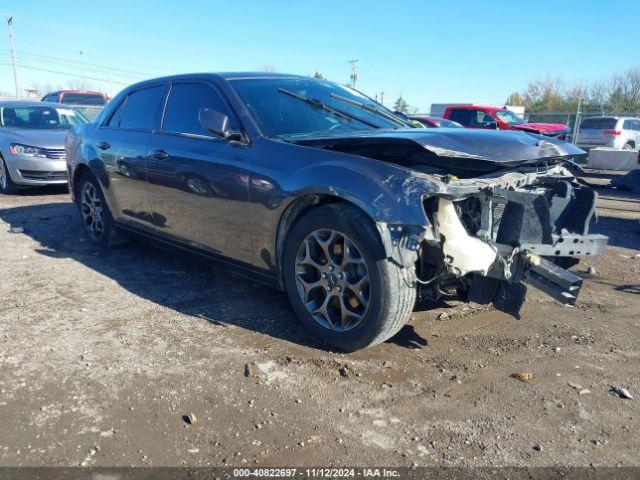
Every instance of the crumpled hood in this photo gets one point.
(542, 127)
(44, 138)
(481, 150)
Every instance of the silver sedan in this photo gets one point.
(32, 136)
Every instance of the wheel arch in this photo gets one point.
(78, 173)
(299, 208)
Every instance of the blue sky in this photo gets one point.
(478, 51)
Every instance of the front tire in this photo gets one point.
(95, 214)
(7, 187)
(339, 281)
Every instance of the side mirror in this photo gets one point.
(491, 125)
(215, 122)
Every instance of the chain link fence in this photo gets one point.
(569, 119)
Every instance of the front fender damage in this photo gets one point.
(493, 236)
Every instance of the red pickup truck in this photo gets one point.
(501, 118)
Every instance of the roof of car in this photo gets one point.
(219, 75)
(479, 107)
(88, 92)
(31, 103)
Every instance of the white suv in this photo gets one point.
(616, 132)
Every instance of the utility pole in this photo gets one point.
(13, 56)
(381, 98)
(82, 67)
(576, 125)
(354, 72)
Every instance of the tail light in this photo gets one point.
(612, 132)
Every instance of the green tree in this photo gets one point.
(401, 105)
(318, 75)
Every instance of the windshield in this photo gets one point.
(300, 106)
(41, 117)
(507, 116)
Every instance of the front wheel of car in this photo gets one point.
(95, 214)
(339, 281)
(7, 186)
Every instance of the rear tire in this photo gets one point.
(95, 214)
(7, 187)
(629, 146)
(360, 312)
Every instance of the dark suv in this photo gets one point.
(316, 189)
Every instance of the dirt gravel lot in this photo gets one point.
(102, 353)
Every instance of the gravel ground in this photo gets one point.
(103, 352)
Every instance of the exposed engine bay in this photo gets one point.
(507, 211)
(519, 227)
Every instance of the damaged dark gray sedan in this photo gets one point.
(316, 189)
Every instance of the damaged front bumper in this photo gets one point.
(492, 236)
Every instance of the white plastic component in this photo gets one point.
(464, 252)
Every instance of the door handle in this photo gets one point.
(158, 154)
(103, 145)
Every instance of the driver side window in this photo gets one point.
(184, 104)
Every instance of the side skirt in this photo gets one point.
(198, 255)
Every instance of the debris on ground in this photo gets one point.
(16, 230)
(250, 369)
(525, 377)
(537, 447)
(190, 418)
(621, 392)
(344, 371)
(629, 182)
(575, 386)
(591, 271)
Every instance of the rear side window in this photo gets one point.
(598, 123)
(463, 117)
(184, 104)
(141, 107)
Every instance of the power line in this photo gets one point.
(73, 51)
(76, 62)
(71, 74)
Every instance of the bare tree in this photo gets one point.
(619, 94)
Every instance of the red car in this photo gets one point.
(501, 118)
(77, 97)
